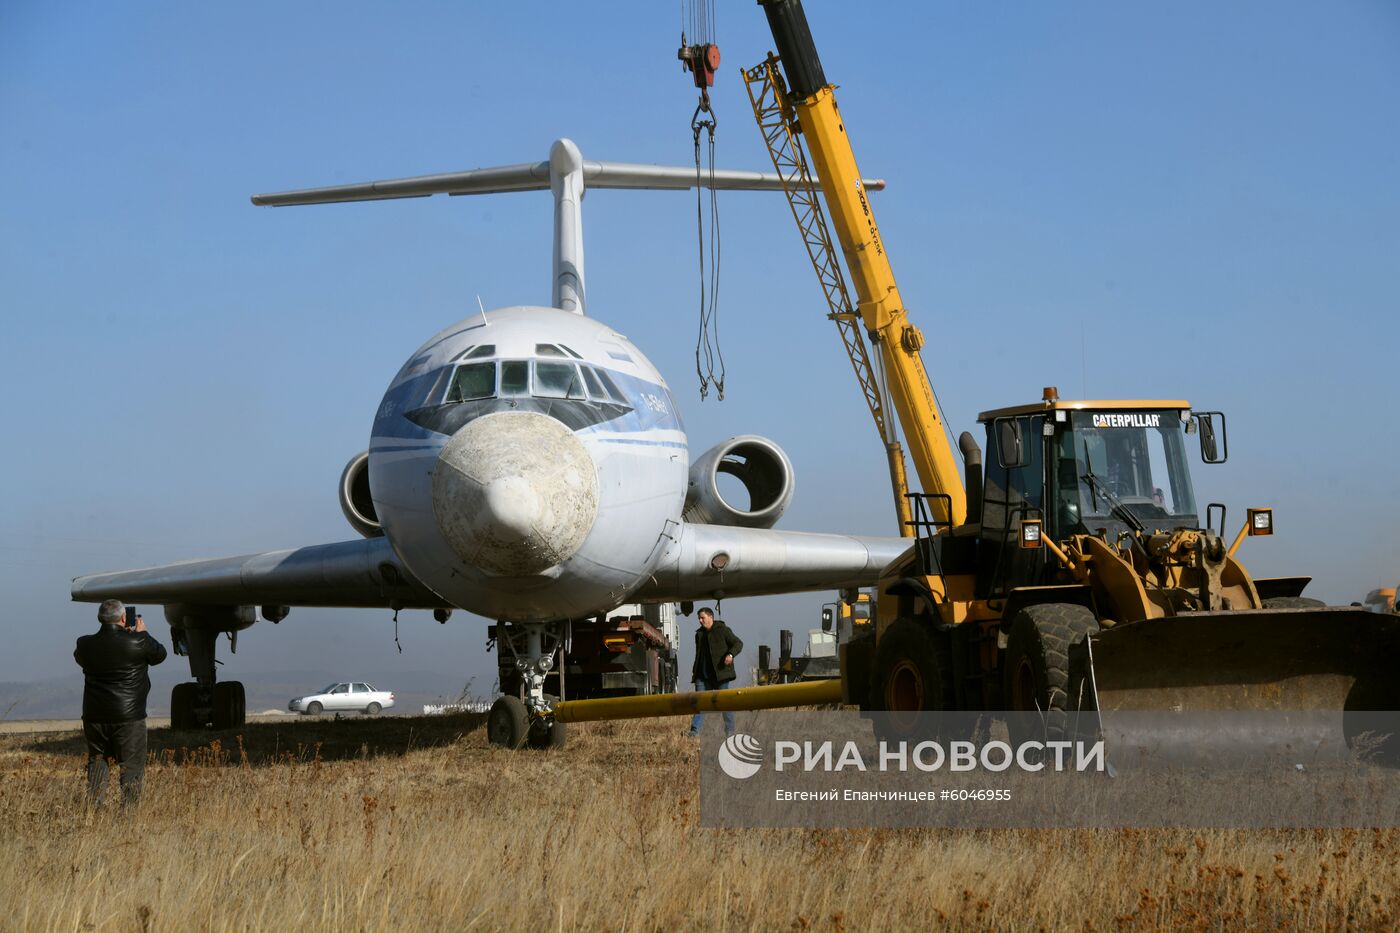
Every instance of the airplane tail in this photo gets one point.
(567, 174)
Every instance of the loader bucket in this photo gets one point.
(1319, 679)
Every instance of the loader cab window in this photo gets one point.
(1112, 463)
(1013, 493)
(1010, 494)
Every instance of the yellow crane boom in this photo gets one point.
(809, 104)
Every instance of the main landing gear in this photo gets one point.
(207, 701)
(524, 716)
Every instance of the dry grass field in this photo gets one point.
(417, 824)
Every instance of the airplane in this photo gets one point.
(526, 464)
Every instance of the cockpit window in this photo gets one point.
(515, 378)
(548, 349)
(557, 380)
(472, 381)
(476, 353)
(544, 379)
(614, 392)
(595, 386)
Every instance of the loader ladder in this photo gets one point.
(781, 134)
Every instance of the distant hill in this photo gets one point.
(62, 697)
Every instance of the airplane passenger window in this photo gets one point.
(515, 378)
(474, 380)
(557, 380)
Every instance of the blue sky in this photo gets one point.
(1189, 200)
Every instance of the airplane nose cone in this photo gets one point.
(515, 493)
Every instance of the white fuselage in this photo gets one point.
(529, 464)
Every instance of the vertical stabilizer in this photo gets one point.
(566, 181)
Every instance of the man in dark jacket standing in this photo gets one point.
(715, 648)
(114, 662)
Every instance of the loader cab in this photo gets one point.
(1081, 468)
(1118, 469)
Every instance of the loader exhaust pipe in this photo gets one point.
(972, 465)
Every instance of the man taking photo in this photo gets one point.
(114, 662)
(715, 648)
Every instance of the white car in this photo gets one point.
(347, 696)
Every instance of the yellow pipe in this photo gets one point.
(1239, 538)
(1077, 571)
(807, 693)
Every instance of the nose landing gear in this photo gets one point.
(525, 714)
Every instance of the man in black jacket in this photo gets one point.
(715, 648)
(114, 662)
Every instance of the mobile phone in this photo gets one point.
(131, 617)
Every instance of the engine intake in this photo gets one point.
(763, 469)
(355, 499)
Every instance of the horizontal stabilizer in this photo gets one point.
(534, 177)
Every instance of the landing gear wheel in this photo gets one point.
(373, 709)
(913, 674)
(182, 698)
(1294, 602)
(230, 705)
(547, 733)
(314, 709)
(507, 724)
(1037, 670)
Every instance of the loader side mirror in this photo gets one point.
(1215, 446)
(1011, 451)
(826, 619)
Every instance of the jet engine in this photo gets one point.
(355, 500)
(757, 463)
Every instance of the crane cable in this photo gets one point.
(700, 56)
(708, 353)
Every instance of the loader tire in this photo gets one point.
(1037, 676)
(913, 669)
(1294, 602)
(913, 676)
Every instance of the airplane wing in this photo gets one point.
(353, 574)
(710, 561)
(534, 176)
(367, 574)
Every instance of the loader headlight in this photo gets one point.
(1261, 521)
(1030, 532)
